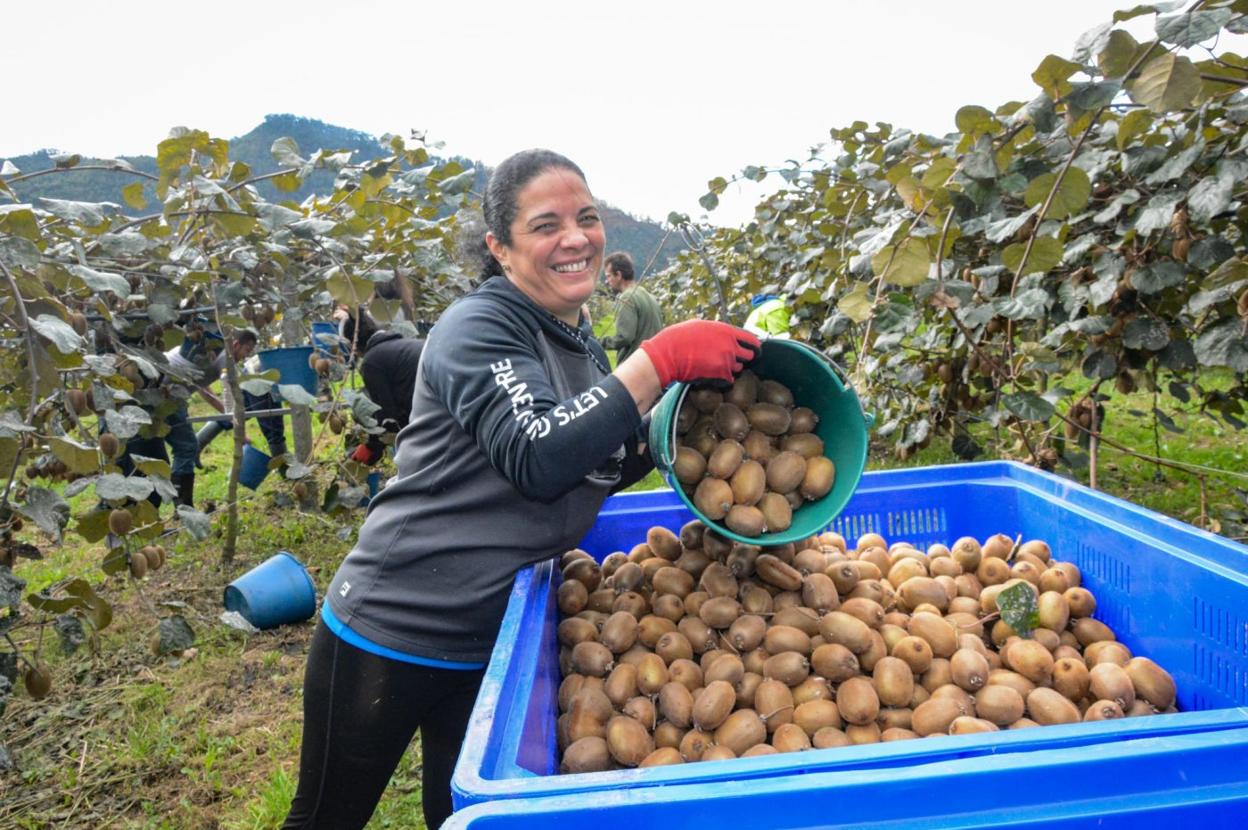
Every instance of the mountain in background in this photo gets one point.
(640, 237)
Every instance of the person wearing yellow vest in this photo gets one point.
(769, 317)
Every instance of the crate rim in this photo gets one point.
(1175, 750)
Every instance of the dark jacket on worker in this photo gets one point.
(389, 373)
(517, 435)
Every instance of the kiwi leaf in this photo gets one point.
(1018, 608)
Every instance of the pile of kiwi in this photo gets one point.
(748, 456)
(692, 647)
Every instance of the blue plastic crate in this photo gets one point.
(1171, 592)
(1194, 780)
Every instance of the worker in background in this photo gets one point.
(769, 316)
(638, 316)
(388, 370)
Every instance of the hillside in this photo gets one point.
(640, 237)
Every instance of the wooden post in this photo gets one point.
(240, 435)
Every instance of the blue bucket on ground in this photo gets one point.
(255, 467)
(324, 335)
(275, 592)
(292, 367)
(374, 484)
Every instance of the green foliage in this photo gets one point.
(961, 278)
(93, 297)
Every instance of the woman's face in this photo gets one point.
(557, 240)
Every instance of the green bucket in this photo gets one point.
(817, 383)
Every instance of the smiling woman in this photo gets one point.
(552, 249)
(519, 431)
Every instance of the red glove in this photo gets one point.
(700, 350)
(364, 454)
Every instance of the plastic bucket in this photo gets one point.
(324, 335)
(292, 367)
(277, 591)
(817, 383)
(255, 467)
(374, 484)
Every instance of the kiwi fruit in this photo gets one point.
(806, 444)
(776, 393)
(708, 647)
(713, 498)
(773, 700)
(676, 704)
(781, 638)
(38, 682)
(785, 472)
(76, 400)
(705, 400)
(1109, 681)
(746, 520)
(120, 521)
(857, 701)
(628, 741)
(774, 571)
(1103, 710)
(642, 710)
(1151, 682)
(592, 659)
(138, 565)
(769, 419)
(589, 754)
(776, 511)
(689, 466)
(740, 730)
(674, 646)
(969, 669)
(748, 483)
(837, 627)
(999, 704)
(663, 756)
(817, 482)
(967, 725)
(110, 446)
(730, 422)
(819, 593)
(665, 544)
(759, 447)
(935, 715)
(802, 420)
(725, 460)
(619, 632)
(1048, 706)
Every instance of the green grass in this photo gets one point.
(1204, 441)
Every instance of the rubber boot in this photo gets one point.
(186, 488)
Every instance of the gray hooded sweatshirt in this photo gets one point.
(518, 434)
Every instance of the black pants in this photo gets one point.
(360, 712)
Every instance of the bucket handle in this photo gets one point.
(867, 418)
(667, 460)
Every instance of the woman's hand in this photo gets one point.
(700, 350)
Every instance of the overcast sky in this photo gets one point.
(652, 99)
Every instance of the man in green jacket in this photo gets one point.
(638, 316)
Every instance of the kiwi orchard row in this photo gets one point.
(692, 648)
(749, 457)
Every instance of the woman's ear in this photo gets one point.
(498, 249)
